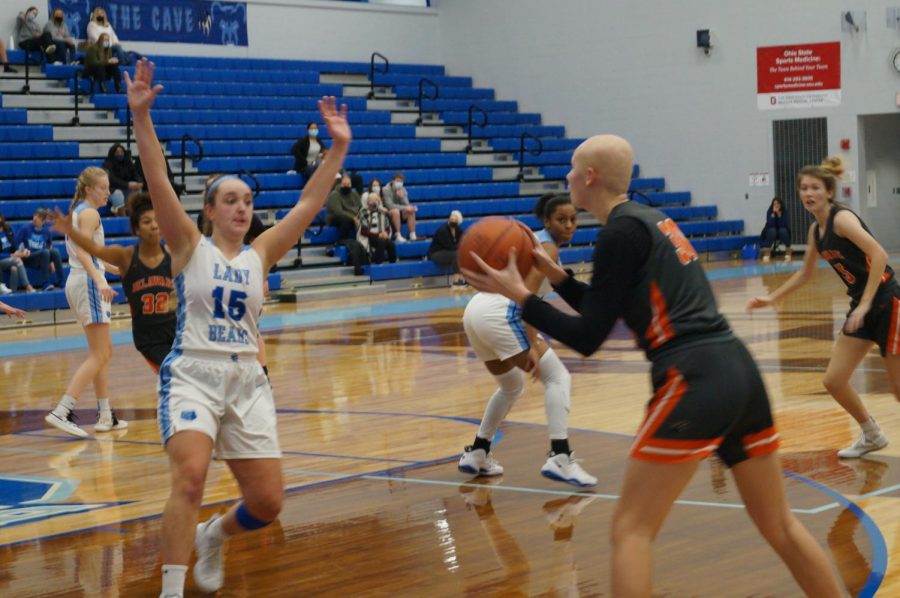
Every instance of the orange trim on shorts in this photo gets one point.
(659, 330)
(152, 365)
(893, 338)
(761, 443)
(664, 402)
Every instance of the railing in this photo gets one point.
(533, 152)
(387, 65)
(26, 89)
(437, 91)
(256, 186)
(472, 109)
(184, 139)
(75, 119)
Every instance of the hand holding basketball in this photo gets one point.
(507, 282)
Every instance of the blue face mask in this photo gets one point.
(106, 44)
(313, 133)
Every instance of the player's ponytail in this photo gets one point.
(88, 178)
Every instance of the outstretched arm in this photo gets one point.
(275, 242)
(797, 280)
(116, 255)
(175, 226)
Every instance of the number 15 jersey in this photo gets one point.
(219, 301)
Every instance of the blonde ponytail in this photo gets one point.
(88, 178)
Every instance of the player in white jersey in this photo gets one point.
(89, 297)
(507, 346)
(212, 391)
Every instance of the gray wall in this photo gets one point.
(632, 68)
(881, 156)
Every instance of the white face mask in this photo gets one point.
(398, 184)
(376, 189)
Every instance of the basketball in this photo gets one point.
(491, 239)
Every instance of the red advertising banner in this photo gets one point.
(798, 76)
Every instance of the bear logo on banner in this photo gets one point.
(73, 13)
(229, 17)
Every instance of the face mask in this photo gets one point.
(313, 133)
(398, 184)
(106, 44)
(373, 205)
(345, 190)
(120, 157)
(376, 189)
(454, 224)
(31, 15)
(101, 19)
(58, 20)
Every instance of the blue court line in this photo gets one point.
(879, 547)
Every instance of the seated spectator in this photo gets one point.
(396, 200)
(178, 187)
(100, 64)
(442, 250)
(124, 178)
(38, 241)
(374, 232)
(374, 188)
(777, 229)
(29, 34)
(308, 152)
(4, 60)
(59, 33)
(99, 25)
(11, 259)
(342, 209)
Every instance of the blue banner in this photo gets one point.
(172, 21)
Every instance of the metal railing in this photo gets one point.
(422, 96)
(533, 152)
(256, 186)
(372, 71)
(184, 139)
(472, 109)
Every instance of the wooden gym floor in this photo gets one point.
(376, 400)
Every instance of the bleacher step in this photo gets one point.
(38, 101)
(511, 173)
(330, 273)
(312, 261)
(392, 105)
(451, 132)
(483, 159)
(344, 79)
(14, 86)
(459, 145)
(90, 133)
(331, 292)
(409, 118)
(64, 117)
(541, 187)
(381, 93)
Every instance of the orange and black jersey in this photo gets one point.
(646, 272)
(849, 261)
(149, 291)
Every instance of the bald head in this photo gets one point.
(611, 158)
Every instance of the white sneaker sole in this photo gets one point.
(63, 425)
(851, 453)
(549, 473)
(109, 427)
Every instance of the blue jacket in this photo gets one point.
(7, 243)
(776, 222)
(34, 239)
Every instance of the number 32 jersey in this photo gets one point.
(219, 301)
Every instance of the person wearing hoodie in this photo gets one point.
(124, 178)
(59, 33)
(29, 34)
(100, 64)
(98, 25)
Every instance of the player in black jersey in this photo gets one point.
(709, 396)
(844, 240)
(147, 278)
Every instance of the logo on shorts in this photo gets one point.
(108, 314)
(189, 415)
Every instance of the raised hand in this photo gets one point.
(335, 120)
(141, 91)
(62, 223)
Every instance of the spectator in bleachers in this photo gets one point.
(11, 259)
(4, 60)
(29, 33)
(101, 64)
(444, 244)
(396, 200)
(308, 152)
(374, 232)
(374, 187)
(342, 209)
(776, 230)
(99, 25)
(124, 178)
(37, 239)
(59, 33)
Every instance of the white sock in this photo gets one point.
(66, 405)
(103, 406)
(557, 394)
(511, 384)
(173, 580)
(870, 428)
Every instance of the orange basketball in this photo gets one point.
(491, 239)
